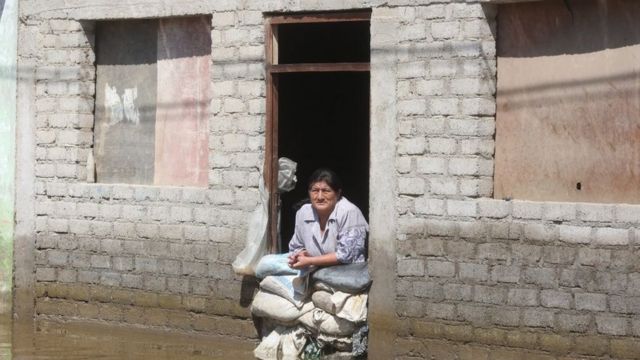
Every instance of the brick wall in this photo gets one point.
(157, 256)
(557, 277)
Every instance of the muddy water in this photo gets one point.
(51, 340)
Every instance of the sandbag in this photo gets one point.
(274, 264)
(285, 287)
(351, 278)
(282, 343)
(277, 308)
(319, 321)
(352, 307)
(340, 343)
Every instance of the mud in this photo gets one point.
(50, 340)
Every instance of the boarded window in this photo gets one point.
(568, 115)
(152, 96)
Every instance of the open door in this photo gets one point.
(318, 93)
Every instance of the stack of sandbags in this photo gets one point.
(339, 294)
(331, 315)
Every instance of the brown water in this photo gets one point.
(49, 340)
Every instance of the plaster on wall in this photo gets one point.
(8, 37)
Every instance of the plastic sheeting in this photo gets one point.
(256, 243)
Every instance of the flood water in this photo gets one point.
(49, 340)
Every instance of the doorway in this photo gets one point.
(317, 108)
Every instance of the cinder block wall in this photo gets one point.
(555, 277)
(562, 278)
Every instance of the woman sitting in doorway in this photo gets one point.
(330, 230)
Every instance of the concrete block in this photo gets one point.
(596, 212)
(559, 211)
(559, 255)
(591, 301)
(440, 268)
(527, 209)
(490, 295)
(523, 297)
(574, 322)
(445, 30)
(538, 318)
(442, 68)
(443, 106)
(627, 348)
(429, 290)
(539, 232)
(414, 69)
(505, 317)
(411, 107)
(430, 246)
(483, 147)
(612, 325)
(467, 208)
(555, 299)
(412, 146)
(473, 272)
(493, 251)
(443, 186)
(477, 315)
(100, 261)
(415, 31)
(430, 87)
(494, 208)
(594, 257)
(574, 234)
(410, 267)
(429, 206)
(545, 277)
(45, 274)
(627, 213)
(458, 292)
(611, 237)
(110, 278)
(505, 274)
(460, 250)
(411, 186)
(440, 311)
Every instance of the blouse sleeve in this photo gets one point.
(350, 246)
(296, 244)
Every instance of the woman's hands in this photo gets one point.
(300, 259)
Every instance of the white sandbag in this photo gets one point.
(321, 321)
(268, 348)
(282, 343)
(292, 343)
(274, 264)
(285, 287)
(277, 308)
(343, 305)
(322, 286)
(340, 343)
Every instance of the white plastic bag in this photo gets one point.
(256, 244)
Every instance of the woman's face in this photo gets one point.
(323, 197)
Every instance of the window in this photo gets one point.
(317, 106)
(568, 114)
(152, 98)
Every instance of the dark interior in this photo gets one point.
(324, 122)
(324, 42)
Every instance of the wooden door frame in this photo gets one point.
(273, 69)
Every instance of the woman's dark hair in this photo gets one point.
(328, 176)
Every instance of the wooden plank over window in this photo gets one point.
(320, 18)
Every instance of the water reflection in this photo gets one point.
(51, 340)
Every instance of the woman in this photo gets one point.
(329, 231)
